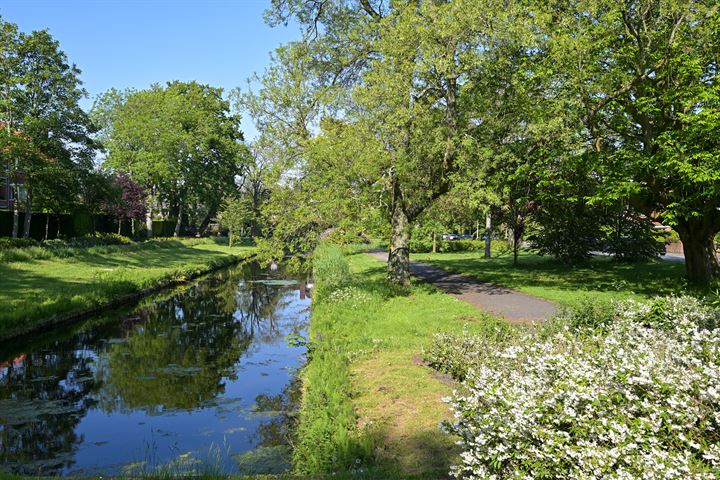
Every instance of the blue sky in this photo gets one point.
(134, 43)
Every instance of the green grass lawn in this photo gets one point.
(600, 279)
(370, 406)
(35, 289)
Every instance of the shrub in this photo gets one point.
(24, 254)
(88, 241)
(330, 269)
(100, 243)
(625, 401)
(633, 238)
(456, 355)
(424, 245)
(7, 242)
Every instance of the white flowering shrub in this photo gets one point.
(639, 399)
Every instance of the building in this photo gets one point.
(6, 191)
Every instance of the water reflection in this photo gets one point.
(177, 373)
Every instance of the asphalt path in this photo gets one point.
(513, 306)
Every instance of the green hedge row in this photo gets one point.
(71, 225)
(424, 245)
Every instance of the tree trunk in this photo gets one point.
(47, 225)
(119, 226)
(16, 212)
(434, 250)
(178, 222)
(149, 221)
(701, 262)
(399, 255)
(28, 214)
(488, 235)
(517, 232)
(59, 223)
(132, 227)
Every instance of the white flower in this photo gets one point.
(639, 400)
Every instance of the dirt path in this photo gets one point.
(513, 306)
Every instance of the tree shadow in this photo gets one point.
(595, 275)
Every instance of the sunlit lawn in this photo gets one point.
(600, 279)
(35, 289)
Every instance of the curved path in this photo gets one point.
(513, 306)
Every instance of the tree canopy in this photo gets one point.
(46, 139)
(180, 142)
(576, 115)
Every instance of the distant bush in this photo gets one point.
(633, 237)
(424, 245)
(9, 242)
(627, 392)
(673, 237)
(88, 241)
(330, 269)
(17, 250)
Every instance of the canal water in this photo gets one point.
(198, 380)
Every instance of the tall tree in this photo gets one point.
(129, 202)
(180, 142)
(47, 134)
(394, 76)
(644, 74)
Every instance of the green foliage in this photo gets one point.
(163, 228)
(8, 243)
(180, 142)
(235, 215)
(330, 270)
(421, 245)
(570, 239)
(588, 314)
(551, 113)
(45, 133)
(571, 231)
(16, 250)
(82, 224)
(88, 241)
(633, 238)
(457, 354)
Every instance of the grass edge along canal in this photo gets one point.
(370, 407)
(36, 293)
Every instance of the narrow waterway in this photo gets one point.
(196, 380)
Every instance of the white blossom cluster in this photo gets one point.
(354, 296)
(638, 400)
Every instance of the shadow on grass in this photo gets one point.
(424, 455)
(599, 274)
(374, 455)
(35, 289)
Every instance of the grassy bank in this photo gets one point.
(600, 279)
(34, 290)
(370, 405)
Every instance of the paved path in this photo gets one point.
(514, 306)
